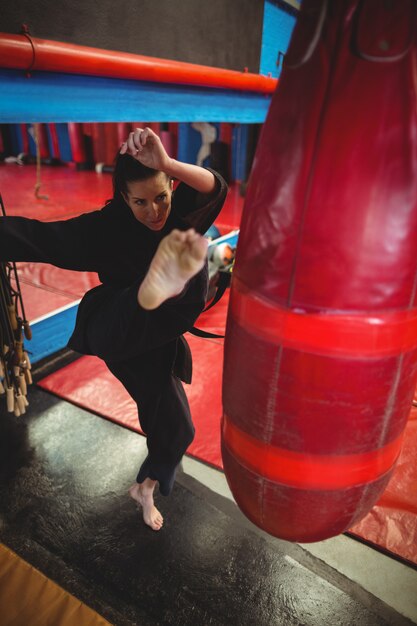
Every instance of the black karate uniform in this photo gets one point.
(145, 350)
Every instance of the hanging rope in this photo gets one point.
(35, 135)
(15, 364)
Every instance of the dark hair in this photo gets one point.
(128, 169)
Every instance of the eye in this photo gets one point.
(139, 202)
(162, 196)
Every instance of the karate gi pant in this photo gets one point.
(142, 350)
(165, 418)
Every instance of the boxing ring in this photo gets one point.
(70, 82)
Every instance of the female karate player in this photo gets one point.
(147, 246)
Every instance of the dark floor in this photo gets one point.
(64, 474)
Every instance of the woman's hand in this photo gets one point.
(146, 147)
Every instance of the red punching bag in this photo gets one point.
(320, 353)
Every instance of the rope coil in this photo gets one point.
(15, 364)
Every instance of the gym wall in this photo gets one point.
(220, 33)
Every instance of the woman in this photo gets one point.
(147, 247)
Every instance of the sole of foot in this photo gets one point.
(179, 257)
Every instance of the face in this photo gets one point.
(150, 200)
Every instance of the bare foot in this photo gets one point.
(142, 493)
(179, 256)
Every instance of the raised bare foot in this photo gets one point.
(179, 256)
(143, 494)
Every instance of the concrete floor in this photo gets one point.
(388, 579)
(64, 474)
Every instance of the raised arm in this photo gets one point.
(145, 146)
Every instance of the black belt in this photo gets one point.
(223, 282)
